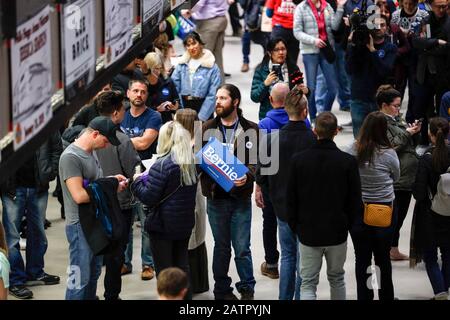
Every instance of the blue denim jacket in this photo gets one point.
(206, 81)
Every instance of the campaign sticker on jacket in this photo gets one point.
(381, 53)
(165, 91)
(220, 164)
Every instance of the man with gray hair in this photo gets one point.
(294, 137)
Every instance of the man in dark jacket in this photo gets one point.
(323, 173)
(230, 213)
(369, 67)
(26, 194)
(291, 138)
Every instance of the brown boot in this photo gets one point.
(396, 255)
(148, 273)
(272, 273)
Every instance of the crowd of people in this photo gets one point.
(130, 155)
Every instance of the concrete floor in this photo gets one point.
(408, 283)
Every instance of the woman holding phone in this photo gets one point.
(404, 139)
(162, 93)
(274, 67)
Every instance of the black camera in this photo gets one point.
(358, 22)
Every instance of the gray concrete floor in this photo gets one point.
(408, 283)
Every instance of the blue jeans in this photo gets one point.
(359, 110)
(84, 268)
(344, 92)
(312, 63)
(33, 205)
(439, 278)
(230, 221)
(257, 37)
(290, 280)
(146, 252)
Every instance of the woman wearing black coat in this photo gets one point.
(170, 186)
(431, 230)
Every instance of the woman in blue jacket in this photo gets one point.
(197, 77)
(170, 188)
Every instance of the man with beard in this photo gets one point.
(141, 124)
(230, 213)
(369, 67)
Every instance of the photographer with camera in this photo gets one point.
(370, 60)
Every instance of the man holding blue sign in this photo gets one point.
(229, 207)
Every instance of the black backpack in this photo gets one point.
(253, 14)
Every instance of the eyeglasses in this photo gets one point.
(397, 106)
(279, 50)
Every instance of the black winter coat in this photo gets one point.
(292, 138)
(46, 162)
(178, 211)
(324, 194)
(429, 228)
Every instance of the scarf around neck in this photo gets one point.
(320, 18)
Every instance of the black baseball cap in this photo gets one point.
(106, 127)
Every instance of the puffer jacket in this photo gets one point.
(305, 26)
(260, 92)
(206, 81)
(178, 211)
(46, 164)
(405, 146)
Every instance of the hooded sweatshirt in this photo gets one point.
(275, 119)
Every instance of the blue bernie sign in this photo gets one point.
(221, 165)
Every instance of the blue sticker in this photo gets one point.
(381, 53)
(165, 91)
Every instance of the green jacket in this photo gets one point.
(405, 146)
(260, 93)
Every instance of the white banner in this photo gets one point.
(118, 29)
(79, 44)
(153, 10)
(32, 86)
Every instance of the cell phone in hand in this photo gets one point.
(277, 69)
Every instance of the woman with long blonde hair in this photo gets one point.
(168, 190)
(198, 256)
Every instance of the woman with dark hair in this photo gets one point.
(404, 139)
(379, 168)
(275, 67)
(197, 77)
(431, 229)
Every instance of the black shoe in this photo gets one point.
(47, 224)
(21, 292)
(44, 280)
(247, 295)
(228, 296)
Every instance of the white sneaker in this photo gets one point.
(23, 243)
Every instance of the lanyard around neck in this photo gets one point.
(232, 135)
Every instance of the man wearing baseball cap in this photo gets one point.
(78, 164)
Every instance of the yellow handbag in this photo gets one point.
(377, 215)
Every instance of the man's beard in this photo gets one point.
(138, 104)
(225, 111)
